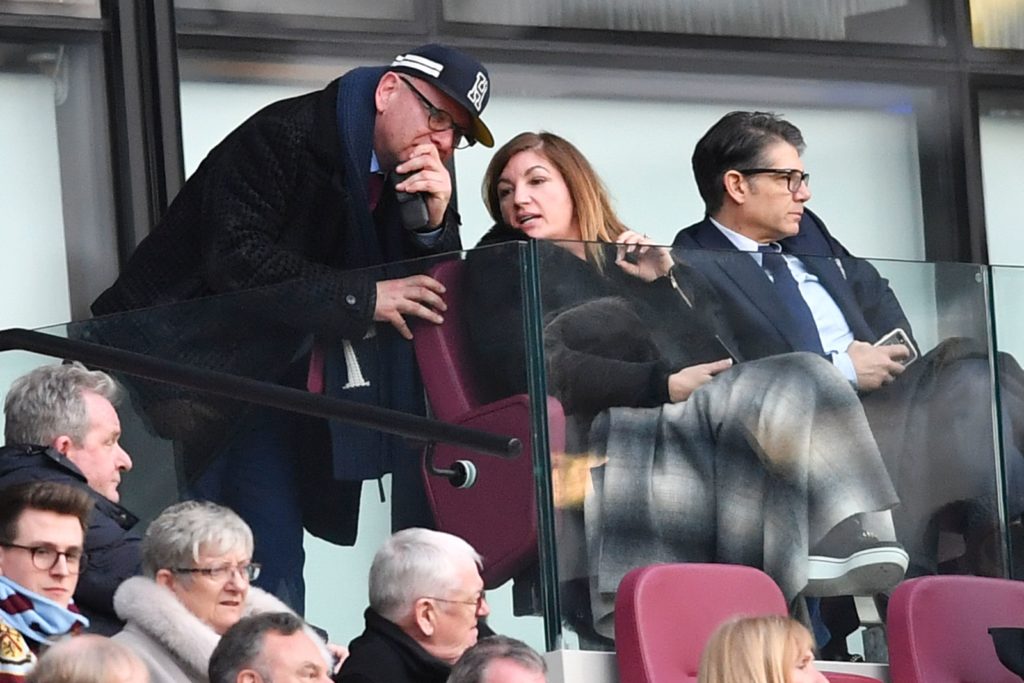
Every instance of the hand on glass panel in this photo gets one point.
(418, 295)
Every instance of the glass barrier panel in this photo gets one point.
(703, 423)
(277, 467)
(1007, 283)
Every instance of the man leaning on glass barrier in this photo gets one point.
(305, 192)
(42, 527)
(60, 425)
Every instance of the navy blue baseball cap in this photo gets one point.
(457, 75)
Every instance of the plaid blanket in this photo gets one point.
(754, 468)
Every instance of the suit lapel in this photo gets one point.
(748, 277)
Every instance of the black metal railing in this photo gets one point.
(253, 391)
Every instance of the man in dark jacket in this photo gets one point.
(295, 198)
(426, 602)
(61, 426)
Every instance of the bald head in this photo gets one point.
(89, 659)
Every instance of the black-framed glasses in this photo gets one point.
(477, 603)
(439, 120)
(45, 557)
(249, 572)
(794, 176)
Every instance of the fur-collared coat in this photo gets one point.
(175, 645)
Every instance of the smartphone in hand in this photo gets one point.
(412, 207)
(898, 336)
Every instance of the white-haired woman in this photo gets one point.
(197, 566)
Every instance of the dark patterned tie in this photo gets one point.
(801, 319)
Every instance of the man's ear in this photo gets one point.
(248, 676)
(735, 187)
(425, 616)
(62, 444)
(387, 88)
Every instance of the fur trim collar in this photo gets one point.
(155, 611)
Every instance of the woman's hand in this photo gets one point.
(683, 383)
(636, 256)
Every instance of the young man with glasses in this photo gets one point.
(311, 191)
(426, 605)
(42, 531)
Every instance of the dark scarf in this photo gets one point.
(388, 375)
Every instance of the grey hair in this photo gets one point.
(175, 538)
(48, 402)
(472, 665)
(241, 646)
(412, 564)
(87, 658)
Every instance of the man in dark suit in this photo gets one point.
(799, 289)
(752, 179)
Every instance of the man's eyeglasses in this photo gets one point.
(439, 120)
(249, 572)
(477, 603)
(45, 557)
(794, 176)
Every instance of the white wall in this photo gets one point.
(863, 165)
(33, 267)
(1002, 149)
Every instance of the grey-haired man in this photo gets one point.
(61, 426)
(426, 602)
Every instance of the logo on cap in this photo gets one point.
(477, 93)
(427, 66)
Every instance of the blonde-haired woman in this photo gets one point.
(770, 649)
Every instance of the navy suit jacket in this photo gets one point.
(752, 305)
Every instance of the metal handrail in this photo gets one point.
(262, 393)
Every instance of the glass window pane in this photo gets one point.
(351, 9)
(67, 8)
(997, 23)
(1001, 130)
(882, 21)
(55, 188)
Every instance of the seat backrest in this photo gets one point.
(442, 350)
(497, 516)
(665, 614)
(938, 628)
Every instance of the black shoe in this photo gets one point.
(851, 561)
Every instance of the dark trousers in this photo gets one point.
(255, 475)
